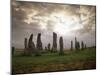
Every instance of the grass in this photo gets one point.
(75, 60)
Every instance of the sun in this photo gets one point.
(62, 23)
(60, 28)
(59, 20)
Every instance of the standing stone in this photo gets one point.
(31, 45)
(49, 47)
(13, 49)
(85, 46)
(46, 49)
(76, 44)
(61, 46)
(54, 48)
(39, 44)
(71, 45)
(82, 45)
(25, 43)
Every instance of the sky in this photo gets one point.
(67, 20)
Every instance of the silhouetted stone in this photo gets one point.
(54, 48)
(26, 46)
(39, 44)
(13, 49)
(61, 46)
(85, 46)
(71, 45)
(25, 43)
(76, 47)
(46, 49)
(82, 45)
(77, 44)
(31, 45)
(49, 47)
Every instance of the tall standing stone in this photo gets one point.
(13, 49)
(71, 45)
(39, 44)
(76, 44)
(82, 45)
(85, 46)
(54, 42)
(31, 45)
(46, 49)
(61, 46)
(25, 43)
(25, 46)
(49, 47)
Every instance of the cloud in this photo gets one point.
(35, 17)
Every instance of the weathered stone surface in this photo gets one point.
(54, 48)
(61, 45)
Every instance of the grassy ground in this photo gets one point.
(81, 60)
